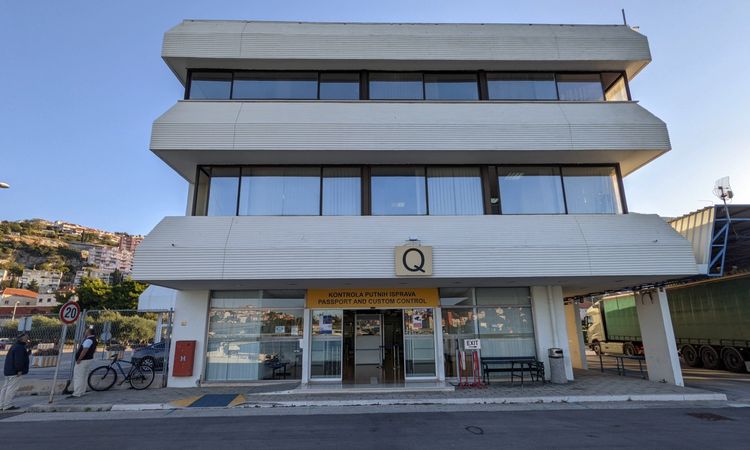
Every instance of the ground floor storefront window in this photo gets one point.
(500, 317)
(255, 335)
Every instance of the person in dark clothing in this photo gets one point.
(16, 366)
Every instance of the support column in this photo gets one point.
(189, 324)
(438, 336)
(658, 337)
(549, 325)
(575, 336)
(306, 345)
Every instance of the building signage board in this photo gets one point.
(372, 298)
(413, 261)
(472, 344)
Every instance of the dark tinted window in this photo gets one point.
(275, 85)
(521, 86)
(396, 86)
(451, 86)
(339, 86)
(207, 85)
(580, 87)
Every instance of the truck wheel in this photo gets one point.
(733, 360)
(690, 355)
(628, 349)
(710, 358)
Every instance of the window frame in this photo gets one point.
(487, 172)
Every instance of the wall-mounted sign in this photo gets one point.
(372, 298)
(472, 344)
(413, 261)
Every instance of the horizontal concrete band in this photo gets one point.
(566, 249)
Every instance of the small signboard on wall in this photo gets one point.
(472, 344)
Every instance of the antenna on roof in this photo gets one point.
(624, 19)
(723, 190)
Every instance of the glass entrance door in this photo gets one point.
(368, 349)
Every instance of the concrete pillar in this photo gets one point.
(306, 345)
(550, 328)
(575, 336)
(189, 324)
(658, 337)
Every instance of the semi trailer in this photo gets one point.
(711, 321)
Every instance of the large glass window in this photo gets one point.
(210, 85)
(222, 195)
(500, 317)
(451, 86)
(419, 342)
(530, 190)
(247, 343)
(591, 190)
(325, 356)
(342, 191)
(339, 86)
(580, 87)
(398, 191)
(280, 191)
(454, 191)
(396, 86)
(521, 86)
(275, 85)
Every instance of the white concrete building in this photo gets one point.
(364, 198)
(47, 280)
(109, 259)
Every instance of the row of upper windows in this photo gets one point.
(467, 86)
(406, 190)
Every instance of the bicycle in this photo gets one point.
(104, 377)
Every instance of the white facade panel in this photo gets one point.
(567, 248)
(195, 132)
(279, 45)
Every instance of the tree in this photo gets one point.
(93, 293)
(33, 286)
(125, 295)
(116, 277)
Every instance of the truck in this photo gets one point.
(711, 321)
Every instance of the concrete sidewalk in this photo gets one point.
(589, 386)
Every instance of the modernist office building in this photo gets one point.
(364, 197)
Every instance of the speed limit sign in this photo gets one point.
(69, 312)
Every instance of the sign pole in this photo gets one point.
(60, 351)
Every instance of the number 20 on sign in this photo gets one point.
(69, 312)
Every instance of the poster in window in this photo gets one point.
(326, 324)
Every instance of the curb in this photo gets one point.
(394, 402)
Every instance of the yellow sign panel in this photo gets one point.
(373, 298)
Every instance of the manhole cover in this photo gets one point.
(708, 416)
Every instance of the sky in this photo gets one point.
(81, 82)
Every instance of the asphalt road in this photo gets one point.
(641, 428)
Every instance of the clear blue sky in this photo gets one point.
(82, 81)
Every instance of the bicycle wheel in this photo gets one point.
(141, 377)
(102, 378)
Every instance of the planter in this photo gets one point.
(43, 361)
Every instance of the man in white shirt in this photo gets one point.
(84, 356)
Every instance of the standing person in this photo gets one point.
(16, 366)
(84, 355)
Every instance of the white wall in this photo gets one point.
(157, 298)
(658, 337)
(575, 336)
(190, 321)
(549, 325)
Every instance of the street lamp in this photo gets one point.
(4, 185)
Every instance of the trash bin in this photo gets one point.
(557, 366)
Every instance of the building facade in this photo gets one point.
(364, 198)
(108, 259)
(47, 280)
